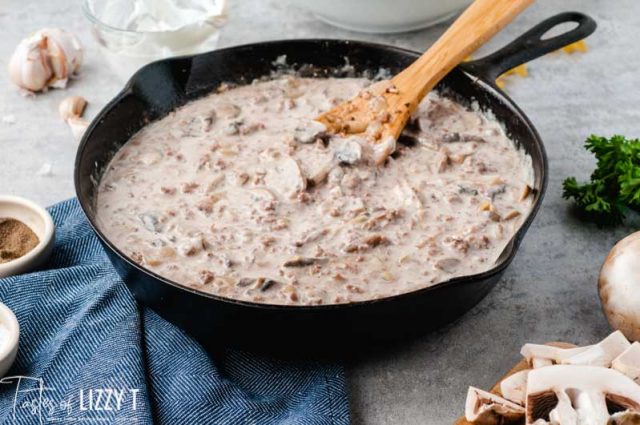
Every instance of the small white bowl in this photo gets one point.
(9, 337)
(39, 220)
(383, 16)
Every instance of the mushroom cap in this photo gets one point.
(619, 286)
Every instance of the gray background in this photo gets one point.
(549, 293)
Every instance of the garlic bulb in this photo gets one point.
(45, 59)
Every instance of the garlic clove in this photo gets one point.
(29, 67)
(78, 127)
(65, 52)
(72, 106)
(58, 61)
(71, 110)
(46, 59)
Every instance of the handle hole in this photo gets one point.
(559, 29)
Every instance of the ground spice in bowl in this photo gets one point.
(16, 239)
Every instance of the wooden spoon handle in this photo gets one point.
(477, 24)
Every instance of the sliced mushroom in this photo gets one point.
(382, 149)
(347, 151)
(580, 395)
(285, 178)
(151, 222)
(485, 408)
(514, 387)
(442, 160)
(245, 281)
(312, 235)
(448, 264)
(408, 195)
(262, 194)
(539, 355)
(228, 111)
(366, 243)
(601, 354)
(191, 245)
(320, 174)
(316, 165)
(629, 362)
(298, 261)
(266, 284)
(525, 192)
(232, 128)
(309, 131)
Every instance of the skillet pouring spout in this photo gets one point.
(160, 87)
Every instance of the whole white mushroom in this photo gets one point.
(45, 59)
(619, 286)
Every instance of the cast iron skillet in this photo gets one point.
(160, 87)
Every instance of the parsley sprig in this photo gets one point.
(615, 183)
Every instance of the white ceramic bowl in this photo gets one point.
(383, 16)
(39, 220)
(9, 337)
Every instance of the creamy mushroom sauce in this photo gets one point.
(234, 195)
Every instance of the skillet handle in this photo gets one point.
(531, 45)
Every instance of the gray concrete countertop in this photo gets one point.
(548, 293)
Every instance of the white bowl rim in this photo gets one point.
(14, 331)
(44, 240)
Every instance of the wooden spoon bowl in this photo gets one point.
(391, 103)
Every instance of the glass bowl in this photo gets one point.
(132, 33)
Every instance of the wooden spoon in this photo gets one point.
(388, 105)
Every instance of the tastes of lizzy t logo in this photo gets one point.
(37, 403)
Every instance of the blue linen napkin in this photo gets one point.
(89, 354)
